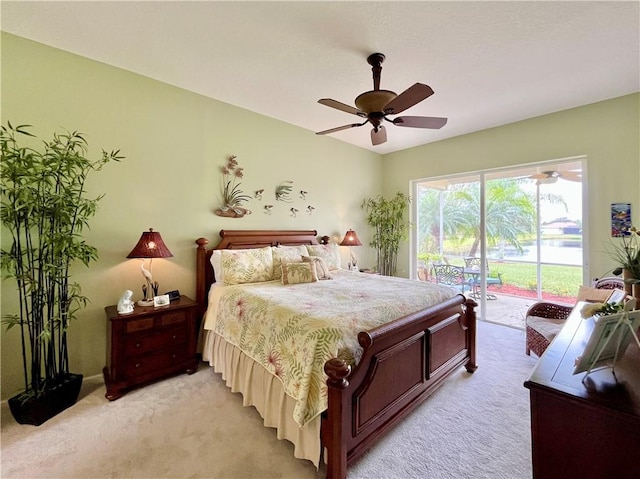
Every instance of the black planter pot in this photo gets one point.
(36, 410)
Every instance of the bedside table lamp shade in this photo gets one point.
(150, 245)
(351, 239)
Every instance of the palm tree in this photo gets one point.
(510, 213)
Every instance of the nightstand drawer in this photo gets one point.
(138, 325)
(154, 363)
(173, 318)
(141, 344)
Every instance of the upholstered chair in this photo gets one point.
(545, 319)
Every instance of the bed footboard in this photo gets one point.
(402, 364)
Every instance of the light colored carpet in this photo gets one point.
(476, 426)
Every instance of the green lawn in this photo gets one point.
(557, 280)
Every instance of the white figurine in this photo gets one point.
(125, 305)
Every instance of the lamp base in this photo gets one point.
(143, 302)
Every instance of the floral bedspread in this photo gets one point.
(292, 330)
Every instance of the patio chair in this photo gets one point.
(474, 263)
(451, 276)
(545, 319)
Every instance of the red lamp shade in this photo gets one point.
(350, 239)
(150, 245)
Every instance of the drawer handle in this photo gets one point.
(175, 336)
(137, 365)
(138, 345)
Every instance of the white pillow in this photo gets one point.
(283, 253)
(329, 253)
(216, 262)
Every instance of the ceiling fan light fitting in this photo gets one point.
(374, 100)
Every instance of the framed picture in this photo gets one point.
(617, 296)
(609, 332)
(620, 219)
(162, 300)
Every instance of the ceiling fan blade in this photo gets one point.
(378, 137)
(339, 128)
(412, 95)
(540, 176)
(341, 106)
(571, 175)
(433, 122)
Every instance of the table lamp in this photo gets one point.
(351, 239)
(150, 245)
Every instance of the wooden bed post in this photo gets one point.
(470, 317)
(201, 285)
(335, 438)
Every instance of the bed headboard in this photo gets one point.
(241, 239)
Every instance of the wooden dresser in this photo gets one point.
(149, 344)
(585, 431)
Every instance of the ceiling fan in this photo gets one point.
(547, 177)
(376, 104)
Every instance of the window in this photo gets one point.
(524, 223)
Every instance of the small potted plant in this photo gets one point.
(45, 208)
(387, 217)
(625, 250)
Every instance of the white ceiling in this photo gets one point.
(489, 63)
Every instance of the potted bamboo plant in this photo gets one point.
(387, 217)
(44, 209)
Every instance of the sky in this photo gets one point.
(571, 191)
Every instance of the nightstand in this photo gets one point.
(149, 344)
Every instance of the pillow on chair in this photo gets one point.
(593, 295)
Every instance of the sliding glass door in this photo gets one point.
(517, 234)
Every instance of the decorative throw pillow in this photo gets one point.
(247, 266)
(322, 270)
(285, 252)
(329, 253)
(300, 272)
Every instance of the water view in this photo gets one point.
(556, 251)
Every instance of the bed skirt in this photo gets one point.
(265, 392)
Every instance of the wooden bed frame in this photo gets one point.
(403, 361)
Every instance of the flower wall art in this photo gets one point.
(234, 198)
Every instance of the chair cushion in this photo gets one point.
(547, 327)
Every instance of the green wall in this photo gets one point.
(608, 133)
(175, 143)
